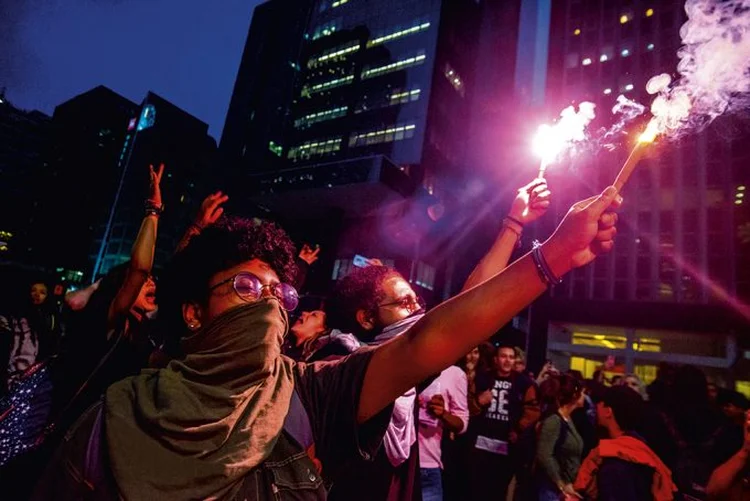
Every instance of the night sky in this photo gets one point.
(187, 51)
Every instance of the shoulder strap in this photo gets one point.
(564, 429)
(52, 426)
(297, 423)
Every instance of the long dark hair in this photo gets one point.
(558, 391)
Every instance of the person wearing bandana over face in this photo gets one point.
(226, 419)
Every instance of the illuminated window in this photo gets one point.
(425, 275)
(396, 66)
(277, 149)
(607, 91)
(625, 53)
(650, 46)
(326, 29)
(624, 19)
(610, 341)
(333, 55)
(314, 148)
(743, 387)
(148, 117)
(455, 79)
(398, 34)
(338, 82)
(339, 3)
(603, 58)
(405, 97)
(321, 116)
(586, 61)
(577, 31)
(649, 12)
(388, 135)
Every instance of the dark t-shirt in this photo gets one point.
(329, 393)
(495, 420)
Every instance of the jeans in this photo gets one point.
(432, 484)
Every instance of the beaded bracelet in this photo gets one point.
(510, 224)
(152, 209)
(545, 272)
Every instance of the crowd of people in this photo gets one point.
(226, 391)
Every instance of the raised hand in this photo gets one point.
(585, 232)
(155, 187)
(531, 202)
(308, 255)
(436, 406)
(211, 210)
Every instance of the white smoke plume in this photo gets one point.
(626, 110)
(713, 70)
(552, 141)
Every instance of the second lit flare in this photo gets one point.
(551, 141)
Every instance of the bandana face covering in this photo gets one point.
(196, 428)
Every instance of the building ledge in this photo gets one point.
(358, 187)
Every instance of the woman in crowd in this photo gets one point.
(111, 338)
(31, 335)
(319, 342)
(228, 420)
(559, 446)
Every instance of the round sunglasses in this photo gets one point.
(249, 288)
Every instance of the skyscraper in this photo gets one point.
(24, 138)
(357, 121)
(668, 291)
(157, 132)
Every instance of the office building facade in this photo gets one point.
(673, 288)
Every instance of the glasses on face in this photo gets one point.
(249, 288)
(411, 303)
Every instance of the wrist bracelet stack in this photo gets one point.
(545, 272)
(515, 226)
(152, 209)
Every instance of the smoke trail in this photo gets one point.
(626, 110)
(713, 68)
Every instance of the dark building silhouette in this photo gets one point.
(95, 143)
(87, 136)
(159, 132)
(24, 178)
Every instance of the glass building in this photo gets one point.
(356, 120)
(673, 288)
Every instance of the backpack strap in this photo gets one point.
(93, 468)
(564, 430)
(297, 422)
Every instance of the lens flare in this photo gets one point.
(551, 141)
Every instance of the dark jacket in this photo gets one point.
(621, 480)
(327, 396)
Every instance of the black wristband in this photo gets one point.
(152, 209)
(545, 272)
(511, 218)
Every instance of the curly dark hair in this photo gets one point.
(362, 289)
(229, 242)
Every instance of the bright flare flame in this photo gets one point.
(649, 135)
(552, 140)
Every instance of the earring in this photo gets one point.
(193, 326)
